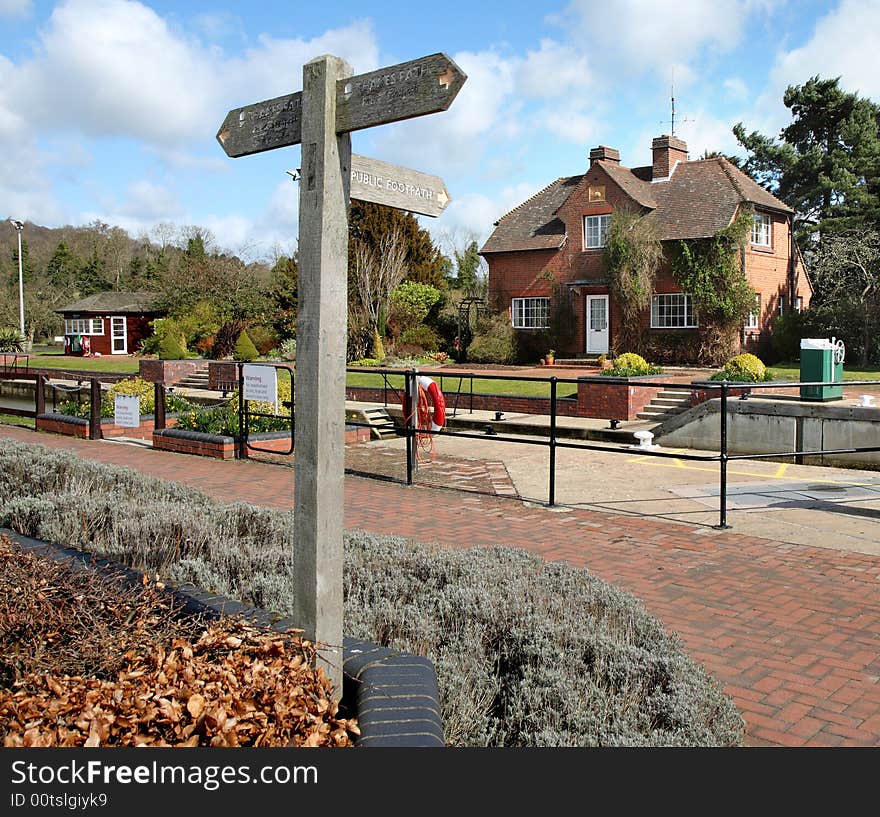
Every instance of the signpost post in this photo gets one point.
(320, 117)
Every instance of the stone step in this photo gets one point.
(381, 424)
(671, 401)
(676, 393)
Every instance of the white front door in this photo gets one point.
(118, 336)
(597, 324)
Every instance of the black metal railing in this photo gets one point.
(717, 390)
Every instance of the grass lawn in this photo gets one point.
(792, 371)
(449, 384)
(114, 363)
(15, 420)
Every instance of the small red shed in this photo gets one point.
(109, 323)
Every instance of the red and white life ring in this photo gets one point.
(438, 401)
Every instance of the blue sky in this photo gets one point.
(109, 108)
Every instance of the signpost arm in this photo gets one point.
(320, 364)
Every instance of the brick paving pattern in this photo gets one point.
(792, 632)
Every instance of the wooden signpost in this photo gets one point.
(320, 117)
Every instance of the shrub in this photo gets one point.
(630, 364)
(263, 338)
(493, 341)
(172, 347)
(11, 340)
(745, 368)
(421, 335)
(527, 653)
(244, 348)
(131, 385)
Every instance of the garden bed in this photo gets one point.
(71, 426)
(223, 447)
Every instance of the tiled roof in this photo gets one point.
(636, 188)
(122, 303)
(534, 225)
(700, 198)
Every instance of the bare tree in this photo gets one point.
(376, 274)
(846, 279)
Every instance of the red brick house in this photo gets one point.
(557, 237)
(108, 323)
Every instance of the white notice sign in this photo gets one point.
(260, 383)
(127, 410)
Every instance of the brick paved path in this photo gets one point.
(792, 632)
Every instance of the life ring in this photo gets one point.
(438, 402)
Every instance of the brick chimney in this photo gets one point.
(605, 153)
(667, 151)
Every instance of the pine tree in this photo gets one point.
(827, 163)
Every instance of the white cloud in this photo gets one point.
(569, 124)
(115, 67)
(845, 43)
(736, 88)
(642, 35)
(15, 8)
(486, 106)
(553, 70)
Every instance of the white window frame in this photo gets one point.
(528, 313)
(798, 303)
(762, 230)
(83, 326)
(754, 319)
(684, 307)
(598, 225)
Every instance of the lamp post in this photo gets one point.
(19, 226)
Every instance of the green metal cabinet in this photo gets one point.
(822, 361)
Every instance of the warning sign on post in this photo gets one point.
(260, 383)
(127, 410)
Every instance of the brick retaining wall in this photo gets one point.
(168, 372)
(79, 427)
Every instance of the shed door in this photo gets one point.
(118, 335)
(597, 324)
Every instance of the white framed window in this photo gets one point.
(798, 304)
(530, 313)
(781, 305)
(673, 311)
(595, 228)
(754, 319)
(762, 229)
(84, 326)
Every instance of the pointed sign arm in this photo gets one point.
(416, 88)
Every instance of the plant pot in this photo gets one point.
(549, 361)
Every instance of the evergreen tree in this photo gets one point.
(467, 265)
(827, 162)
(27, 266)
(63, 268)
(368, 223)
(284, 296)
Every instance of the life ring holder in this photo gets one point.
(430, 415)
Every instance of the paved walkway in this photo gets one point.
(792, 631)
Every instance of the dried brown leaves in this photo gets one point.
(231, 685)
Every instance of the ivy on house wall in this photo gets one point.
(712, 271)
(633, 255)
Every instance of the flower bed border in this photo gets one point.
(393, 694)
(71, 426)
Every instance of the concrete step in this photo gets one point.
(675, 393)
(658, 412)
(381, 424)
(683, 402)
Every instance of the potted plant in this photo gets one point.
(550, 357)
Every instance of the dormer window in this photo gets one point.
(761, 229)
(595, 228)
